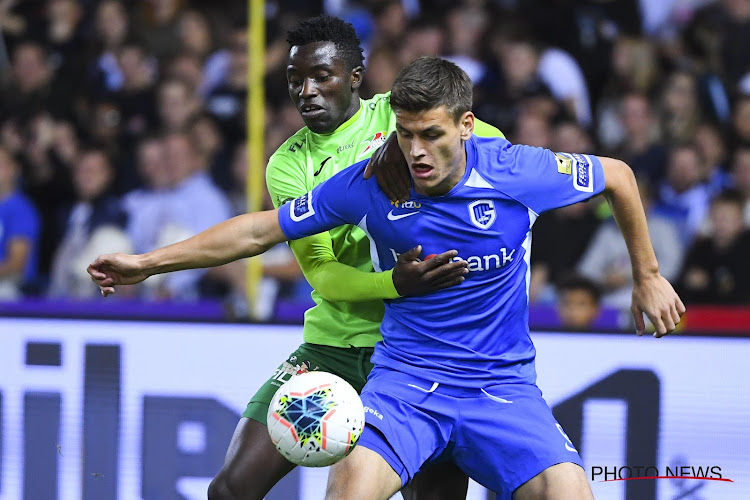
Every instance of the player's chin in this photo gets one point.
(320, 125)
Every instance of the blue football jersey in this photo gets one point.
(477, 332)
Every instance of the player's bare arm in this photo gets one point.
(652, 294)
(242, 236)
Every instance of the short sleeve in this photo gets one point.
(342, 199)
(543, 180)
(284, 179)
(24, 223)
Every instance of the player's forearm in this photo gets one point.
(621, 192)
(326, 274)
(242, 236)
(360, 286)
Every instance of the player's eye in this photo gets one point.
(322, 78)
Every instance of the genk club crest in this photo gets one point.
(482, 213)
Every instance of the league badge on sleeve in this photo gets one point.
(564, 163)
(301, 208)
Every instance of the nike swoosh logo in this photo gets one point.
(322, 164)
(400, 216)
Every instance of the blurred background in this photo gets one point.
(123, 127)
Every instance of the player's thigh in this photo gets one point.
(508, 436)
(438, 481)
(363, 475)
(565, 481)
(351, 364)
(252, 465)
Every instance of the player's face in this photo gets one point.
(433, 145)
(323, 90)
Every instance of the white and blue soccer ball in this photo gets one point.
(315, 419)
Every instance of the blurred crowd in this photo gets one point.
(122, 128)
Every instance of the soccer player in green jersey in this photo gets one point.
(324, 72)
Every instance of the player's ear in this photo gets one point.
(466, 123)
(357, 74)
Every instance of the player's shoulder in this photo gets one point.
(379, 101)
(293, 148)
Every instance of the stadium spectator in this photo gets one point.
(149, 209)
(605, 260)
(93, 224)
(712, 148)
(640, 146)
(717, 268)
(195, 203)
(680, 110)
(19, 232)
(177, 105)
(741, 177)
(226, 102)
(111, 29)
(551, 260)
(570, 136)
(159, 26)
(682, 196)
(578, 303)
(633, 70)
(32, 88)
(741, 122)
(48, 160)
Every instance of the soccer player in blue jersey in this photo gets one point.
(454, 377)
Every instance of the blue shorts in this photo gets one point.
(501, 436)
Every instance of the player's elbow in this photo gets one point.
(618, 176)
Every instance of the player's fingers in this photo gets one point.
(434, 261)
(659, 327)
(449, 269)
(669, 323)
(675, 314)
(404, 182)
(95, 273)
(640, 324)
(680, 307)
(412, 254)
(386, 183)
(107, 290)
(368, 169)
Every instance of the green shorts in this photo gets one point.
(352, 364)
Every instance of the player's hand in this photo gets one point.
(412, 276)
(390, 169)
(656, 297)
(116, 269)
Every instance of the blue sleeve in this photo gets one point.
(543, 180)
(24, 223)
(342, 199)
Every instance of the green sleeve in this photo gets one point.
(337, 282)
(315, 255)
(486, 130)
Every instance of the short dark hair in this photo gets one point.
(730, 195)
(576, 281)
(431, 82)
(329, 29)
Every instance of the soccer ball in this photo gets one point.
(315, 419)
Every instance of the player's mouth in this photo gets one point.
(421, 170)
(311, 111)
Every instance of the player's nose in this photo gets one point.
(308, 88)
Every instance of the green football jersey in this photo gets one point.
(307, 159)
